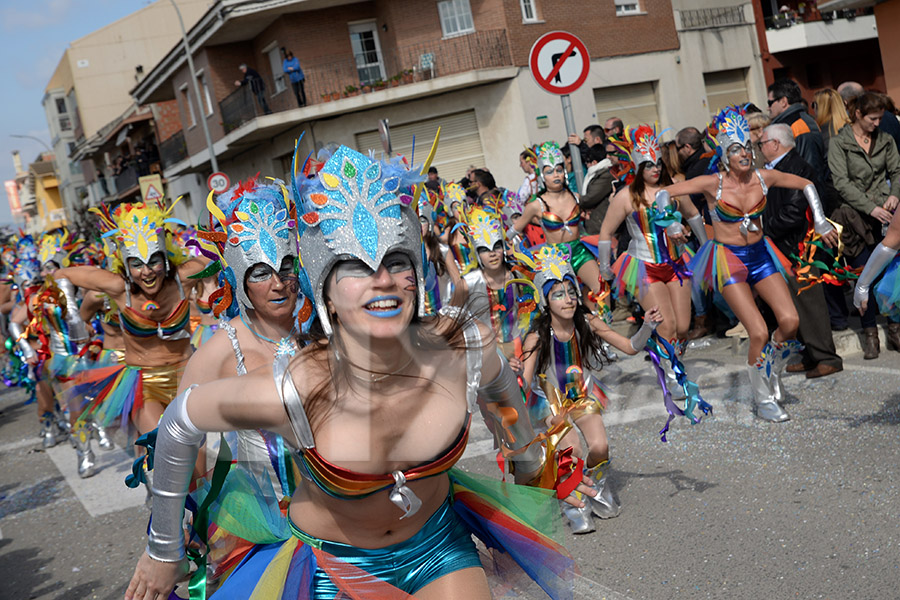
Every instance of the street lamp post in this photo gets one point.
(193, 75)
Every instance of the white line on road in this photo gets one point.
(20, 444)
(106, 491)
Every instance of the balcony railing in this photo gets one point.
(128, 178)
(809, 14)
(704, 18)
(173, 150)
(362, 74)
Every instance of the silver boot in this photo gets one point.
(579, 518)
(767, 408)
(49, 431)
(102, 436)
(672, 384)
(603, 504)
(782, 352)
(86, 460)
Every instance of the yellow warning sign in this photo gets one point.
(151, 187)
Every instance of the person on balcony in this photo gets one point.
(291, 66)
(255, 82)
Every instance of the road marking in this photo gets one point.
(106, 491)
(20, 444)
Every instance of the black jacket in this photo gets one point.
(255, 80)
(807, 136)
(784, 218)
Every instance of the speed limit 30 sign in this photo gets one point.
(218, 182)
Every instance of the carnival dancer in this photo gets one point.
(652, 270)
(378, 407)
(887, 290)
(148, 290)
(205, 323)
(740, 260)
(443, 267)
(556, 200)
(560, 353)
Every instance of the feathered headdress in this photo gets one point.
(728, 127)
(549, 155)
(550, 264)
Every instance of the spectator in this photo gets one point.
(673, 161)
(433, 182)
(255, 82)
(850, 90)
(785, 107)
(528, 163)
(689, 144)
(291, 66)
(785, 218)
(865, 166)
(831, 114)
(483, 185)
(596, 189)
(593, 135)
(757, 121)
(614, 126)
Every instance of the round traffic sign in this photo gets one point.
(559, 62)
(218, 182)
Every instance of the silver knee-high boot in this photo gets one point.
(763, 386)
(102, 436)
(782, 352)
(603, 504)
(579, 518)
(86, 460)
(49, 430)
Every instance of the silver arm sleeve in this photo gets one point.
(177, 444)
(880, 258)
(504, 390)
(663, 200)
(16, 332)
(699, 229)
(639, 339)
(77, 328)
(820, 223)
(604, 252)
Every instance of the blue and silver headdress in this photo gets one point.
(27, 269)
(728, 128)
(358, 208)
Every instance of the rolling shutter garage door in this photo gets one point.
(459, 147)
(725, 88)
(634, 103)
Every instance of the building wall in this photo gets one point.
(887, 15)
(168, 119)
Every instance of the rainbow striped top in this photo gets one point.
(136, 324)
(729, 213)
(550, 221)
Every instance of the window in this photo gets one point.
(189, 106)
(456, 17)
(65, 124)
(61, 106)
(70, 148)
(275, 62)
(627, 7)
(726, 88)
(367, 52)
(204, 89)
(634, 103)
(529, 12)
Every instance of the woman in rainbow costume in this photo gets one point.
(147, 288)
(560, 352)
(740, 260)
(652, 270)
(887, 290)
(377, 410)
(557, 212)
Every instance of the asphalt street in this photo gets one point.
(732, 507)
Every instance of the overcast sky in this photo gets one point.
(34, 35)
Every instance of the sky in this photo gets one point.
(34, 35)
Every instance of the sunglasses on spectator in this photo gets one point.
(773, 101)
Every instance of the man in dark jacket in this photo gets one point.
(597, 188)
(786, 224)
(255, 82)
(785, 106)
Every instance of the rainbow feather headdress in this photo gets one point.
(644, 144)
(549, 264)
(27, 268)
(549, 155)
(728, 128)
(54, 247)
(140, 230)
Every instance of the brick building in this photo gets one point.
(460, 64)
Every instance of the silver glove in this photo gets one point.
(639, 339)
(699, 229)
(820, 223)
(604, 253)
(16, 332)
(663, 199)
(77, 328)
(880, 258)
(177, 445)
(504, 390)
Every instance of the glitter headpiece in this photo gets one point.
(53, 247)
(140, 231)
(549, 264)
(728, 128)
(454, 194)
(484, 229)
(27, 269)
(358, 208)
(255, 223)
(644, 145)
(549, 155)
(512, 205)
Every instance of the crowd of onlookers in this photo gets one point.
(845, 142)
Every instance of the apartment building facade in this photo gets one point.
(457, 64)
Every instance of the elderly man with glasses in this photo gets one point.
(786, 106)
(786, 225)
